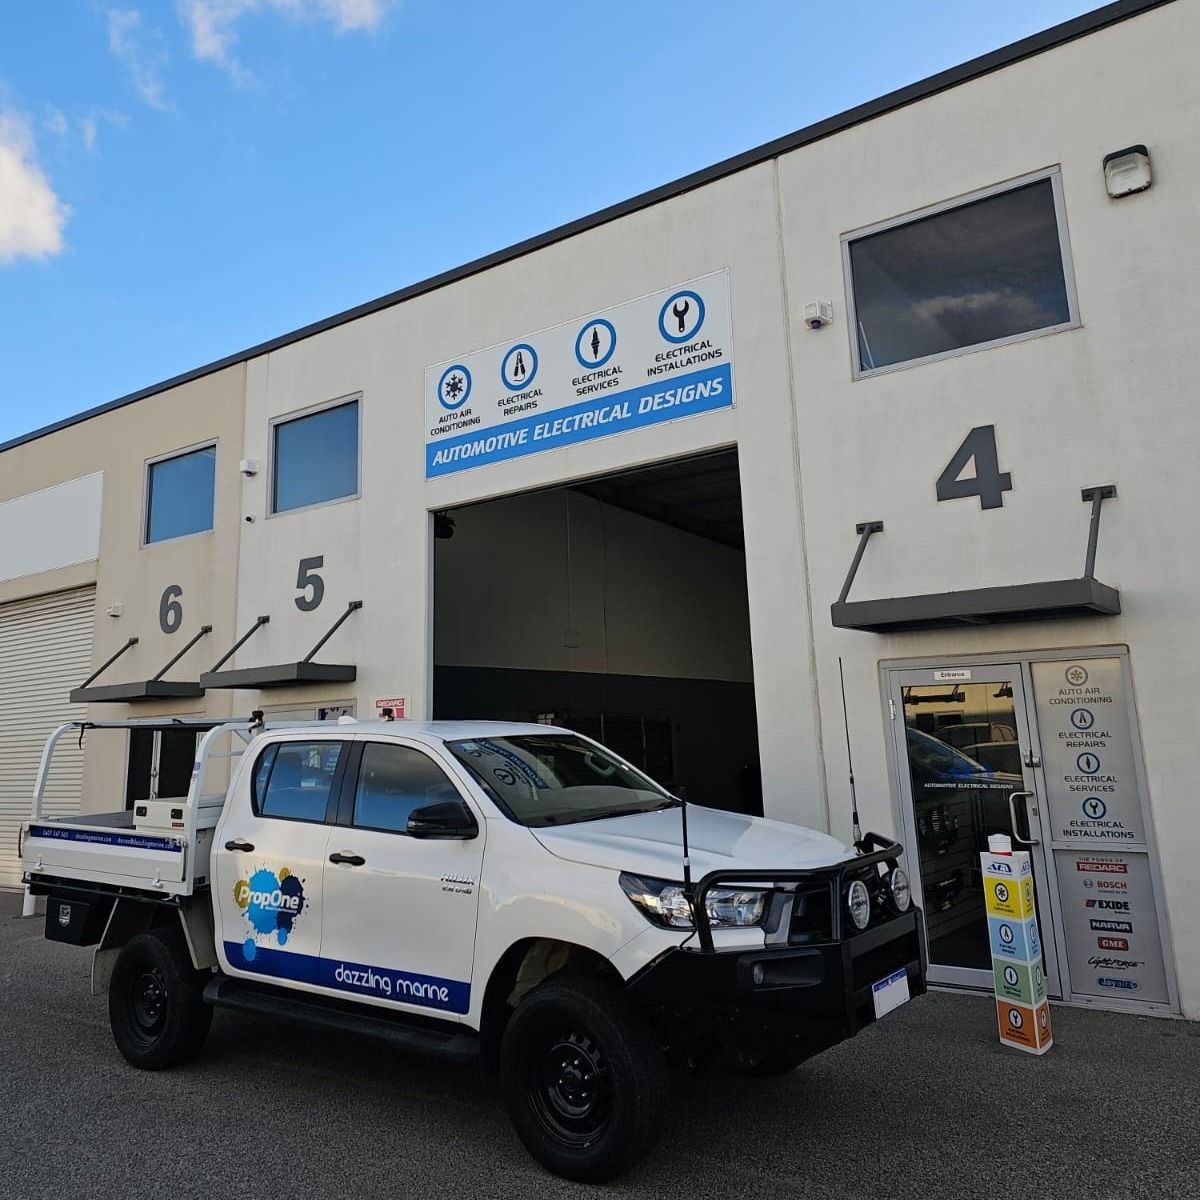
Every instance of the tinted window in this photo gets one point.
(987, 270)
(392, 781)
(295, 779)
(316, 458)
(179, 495)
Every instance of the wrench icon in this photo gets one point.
(681, 311)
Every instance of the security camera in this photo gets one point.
(818, 313)
(249, 519)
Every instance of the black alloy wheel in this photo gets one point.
(569, 1088)
(155, 1001)
(583, 1077)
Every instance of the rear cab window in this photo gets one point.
(295, 781)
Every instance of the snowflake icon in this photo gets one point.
(454, 387)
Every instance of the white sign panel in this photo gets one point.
(658, 358)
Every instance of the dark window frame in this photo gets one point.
(336, 784)
(1054, 176)
(148, 492)
(352, 399)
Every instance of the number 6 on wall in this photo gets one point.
(989, 483)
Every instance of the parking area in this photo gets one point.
(926, 1104)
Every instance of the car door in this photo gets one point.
(400, 910)
(270, 859)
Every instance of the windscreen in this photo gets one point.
(557, 778)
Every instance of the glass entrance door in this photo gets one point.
(963, 743)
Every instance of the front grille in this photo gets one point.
(812, 917)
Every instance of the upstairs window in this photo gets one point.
(315, 458)
(977, 274)
(179, 494)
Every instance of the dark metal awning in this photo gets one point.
(1043, 601)
(287, 674)
(156, 688)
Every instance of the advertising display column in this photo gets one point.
(1098, 829)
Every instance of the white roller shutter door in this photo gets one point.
(45, 651)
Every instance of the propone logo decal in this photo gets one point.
(270, 903)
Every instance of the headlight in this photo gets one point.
(900, 890)
(858, 902)
(665, 904)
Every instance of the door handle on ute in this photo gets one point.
(350, 860)
(239, 844)
(1012, 812)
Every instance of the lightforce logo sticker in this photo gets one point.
(271, 904)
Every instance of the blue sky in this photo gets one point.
(181, 180)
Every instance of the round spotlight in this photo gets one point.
(858, 902)
(900, 890)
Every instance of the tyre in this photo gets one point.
(583, 1078)
(155, 1005)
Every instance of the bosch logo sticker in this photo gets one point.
(271, 904)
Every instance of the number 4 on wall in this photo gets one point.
(989, 483)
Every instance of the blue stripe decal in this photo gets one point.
(615, 412)
(384, 983)
(130, 841)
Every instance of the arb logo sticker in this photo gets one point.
(271, 903)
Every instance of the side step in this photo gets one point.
(420, 1035)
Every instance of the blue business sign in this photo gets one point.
(654, 359)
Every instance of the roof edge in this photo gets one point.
(975, 68)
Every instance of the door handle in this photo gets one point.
(350, 860)
(1012, 812)
(239, 844)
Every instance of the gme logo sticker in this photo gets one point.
(1112, 943)
(270, 903)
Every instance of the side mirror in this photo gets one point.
(447, 819)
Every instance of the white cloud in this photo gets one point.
(142, 50)
(212, 23)
(31, 215)
(87, 130)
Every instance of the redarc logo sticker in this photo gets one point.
(270, 903)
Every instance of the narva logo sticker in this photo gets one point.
(270, 903)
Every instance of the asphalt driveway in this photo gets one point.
(925, 1104)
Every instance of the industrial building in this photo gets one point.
(907, 396)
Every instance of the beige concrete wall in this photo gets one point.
(204, 565)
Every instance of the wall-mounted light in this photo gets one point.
(1127, 171)
(248, 467)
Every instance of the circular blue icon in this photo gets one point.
(518, 367)
(1082, 718)
(595, 343)
(681, 316)
(454, 387)
(1094, 808)
(1006, 934)
(1088, 764)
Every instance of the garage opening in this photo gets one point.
(616, 607)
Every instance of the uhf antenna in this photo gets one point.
(855, 828)
(687, 861)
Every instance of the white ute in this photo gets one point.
(513, 894)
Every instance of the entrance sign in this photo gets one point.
(1098, 830)
(654, 359)
(1019, 977)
